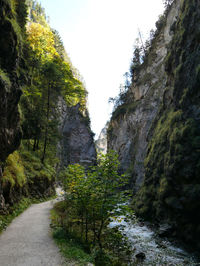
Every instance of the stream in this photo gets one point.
(158, 251)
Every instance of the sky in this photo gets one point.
(99, 36)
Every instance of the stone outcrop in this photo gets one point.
(101, 142)
(77, 144)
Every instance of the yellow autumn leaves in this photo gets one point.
(41, 40)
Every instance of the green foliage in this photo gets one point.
(36, 12)
(136, 61)
(92, 199)
(125, 108)
(13, 30)
(33, 167)
(4, 77)
(21, 10)
(25, 175)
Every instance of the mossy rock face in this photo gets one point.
(22, 176)
(25, 176)
(171, 189)
(12, 32)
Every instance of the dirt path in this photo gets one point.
(27, 241)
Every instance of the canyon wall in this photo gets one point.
(12, 29)
(157, 135)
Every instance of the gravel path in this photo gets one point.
(27, 241)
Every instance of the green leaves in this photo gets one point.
(95, 195)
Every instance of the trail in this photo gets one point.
(27, 241)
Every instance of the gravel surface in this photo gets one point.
(27, 241)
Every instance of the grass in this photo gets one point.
(77, 251)
(70, 248)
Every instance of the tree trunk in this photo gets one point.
(99, 234)
(46, 128)
(34, 144)
(37, 143)
(86, 228)
(94, 229)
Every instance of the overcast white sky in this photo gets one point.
(99, 36)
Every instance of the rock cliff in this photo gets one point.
(130, 123)
(101, 142)
(77, 144)
(12, 27)
(10, 77)
(157, 134)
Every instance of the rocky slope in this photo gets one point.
(157, 135)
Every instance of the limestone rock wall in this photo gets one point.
(101, 142)
(128, 130)
(157, 135)
(77, 144)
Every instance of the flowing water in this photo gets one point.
(158, 252)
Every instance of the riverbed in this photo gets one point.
(157, 251)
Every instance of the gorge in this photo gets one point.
(154, 129)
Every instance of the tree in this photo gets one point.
(41, 40)
(94, 197)
(136, 61)
(167, 3)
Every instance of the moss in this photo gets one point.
(4, 77)
(14, 171)
(34, 168)
(125, 109)
(145, 79)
